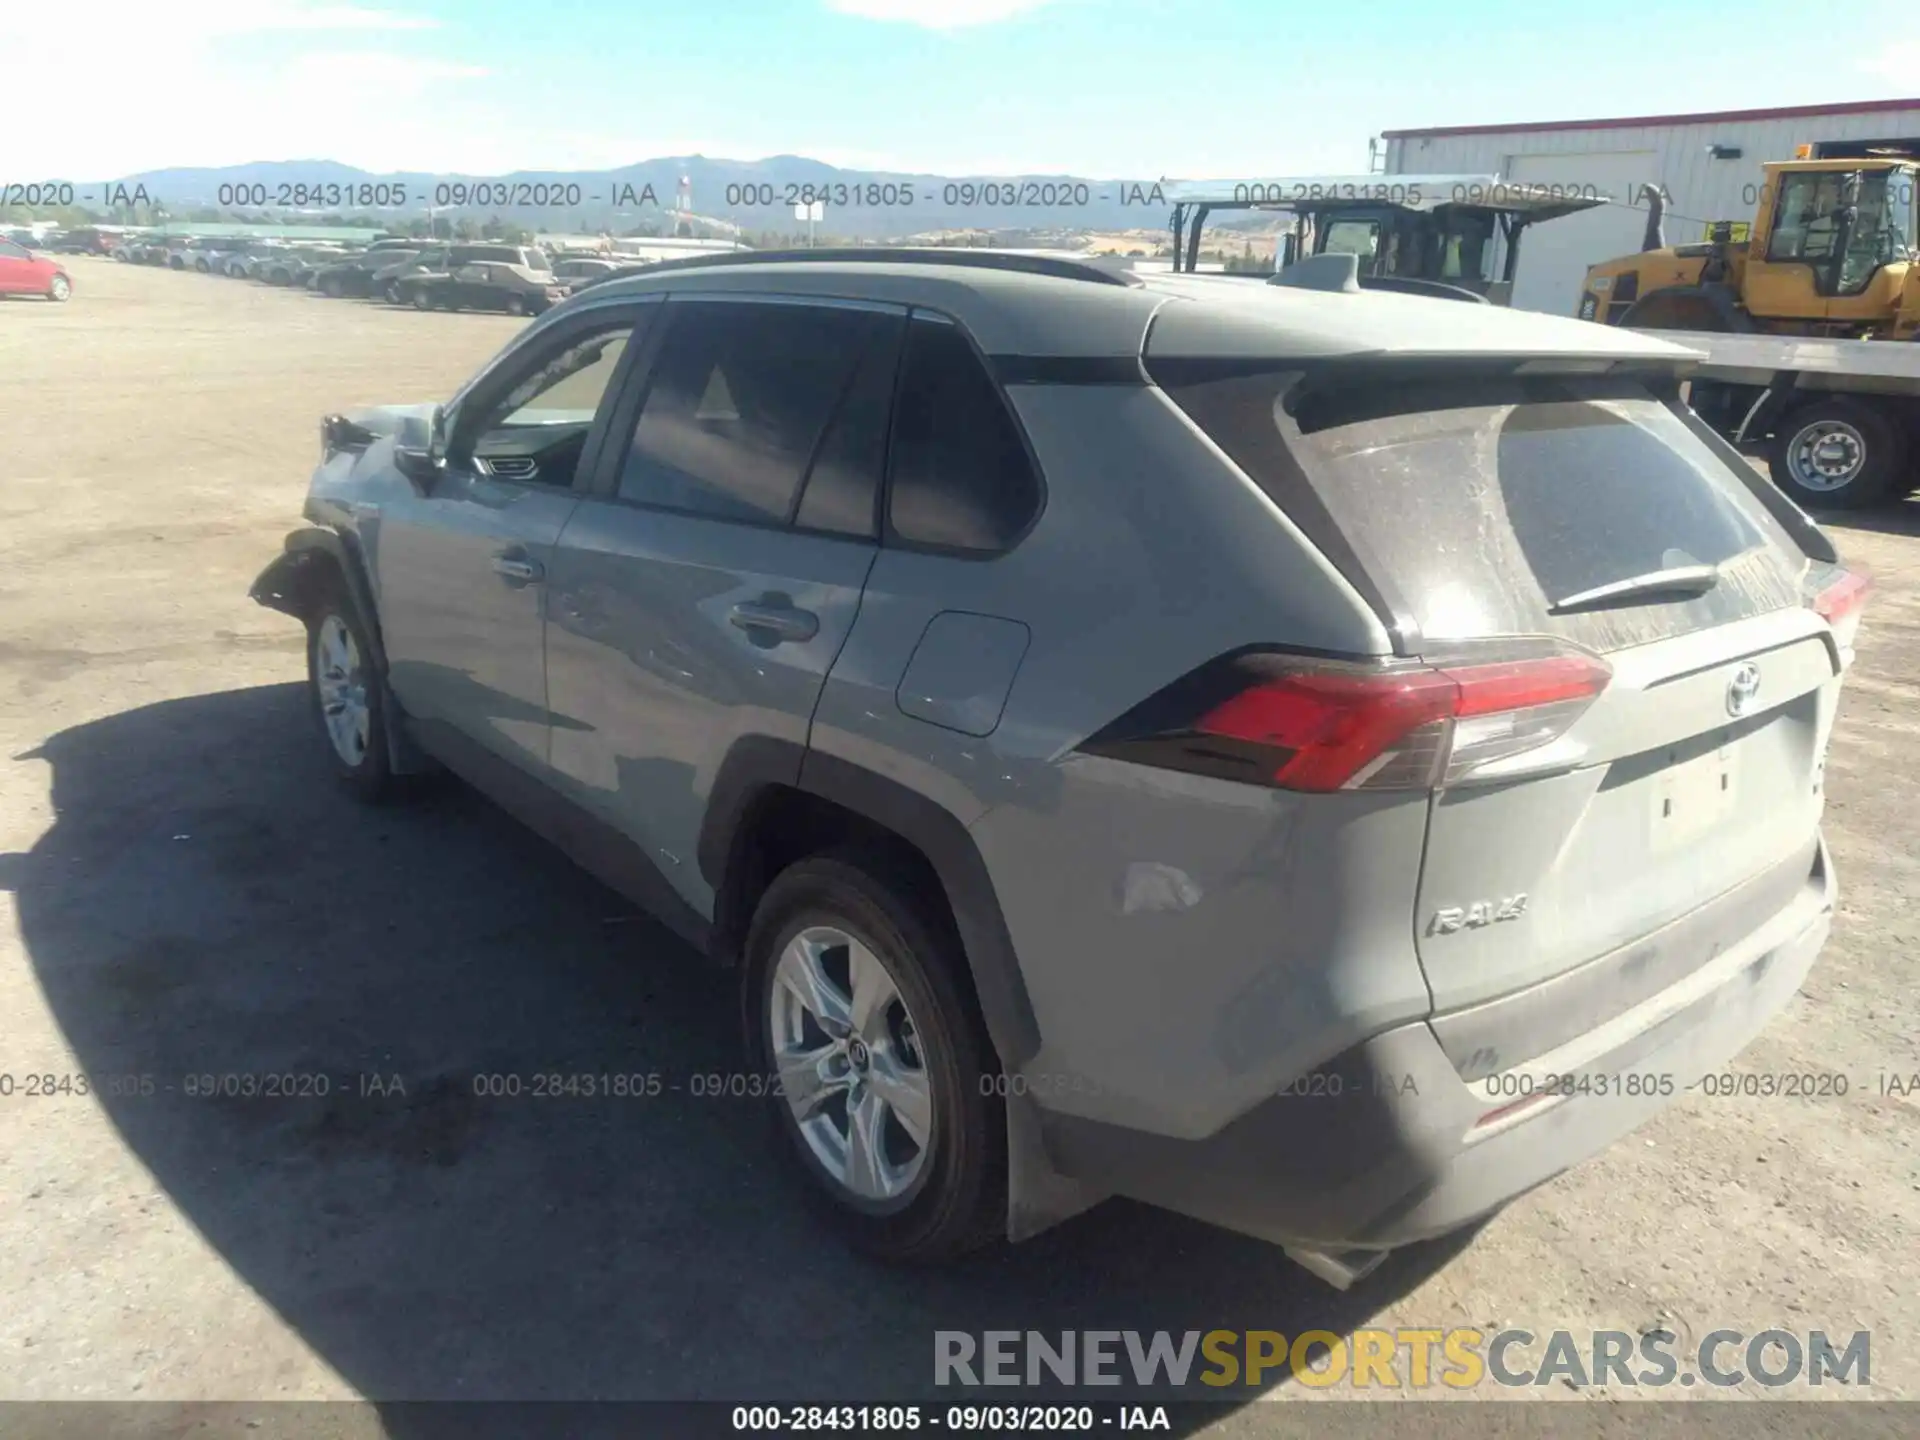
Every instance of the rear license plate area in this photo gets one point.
(1692, 797)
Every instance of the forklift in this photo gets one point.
(1454, 237)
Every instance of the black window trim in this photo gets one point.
(612, 459)
(877, 518)
(889, 537)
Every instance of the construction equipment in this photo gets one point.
(1832, 250)
(1453, 236)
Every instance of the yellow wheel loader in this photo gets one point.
(1832, 251)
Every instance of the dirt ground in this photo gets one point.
(182, 894)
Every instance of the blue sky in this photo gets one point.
(1127, 89)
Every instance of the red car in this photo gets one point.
(24, 273)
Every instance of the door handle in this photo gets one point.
(518, 570)
(781, 621)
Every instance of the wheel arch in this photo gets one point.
(774, 802)
(312, 560)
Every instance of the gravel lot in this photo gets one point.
(181, 893)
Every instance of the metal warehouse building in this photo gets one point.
(1709, 164)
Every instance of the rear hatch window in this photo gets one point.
(1469, 508)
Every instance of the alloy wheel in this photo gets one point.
(847, 1052)
(341, 682)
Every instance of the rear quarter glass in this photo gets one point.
(1467, 508)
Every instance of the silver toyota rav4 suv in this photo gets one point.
(1323, 763)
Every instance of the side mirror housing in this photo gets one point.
(420, 451)
(419, 465)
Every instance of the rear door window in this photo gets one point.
(1481, 509)
(738, 404)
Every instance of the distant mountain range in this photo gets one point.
(754, 195)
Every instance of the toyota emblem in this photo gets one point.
(1742, 689)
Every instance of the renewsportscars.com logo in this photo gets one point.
(1403, 1359)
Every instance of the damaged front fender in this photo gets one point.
(315, 563)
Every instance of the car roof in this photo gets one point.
(1051, 312)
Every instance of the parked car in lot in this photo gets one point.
(526, 257)
(354, 276)
(142, 250)
(22, 272)
(246, 264)
(293, 267)
(213, 257)
(1321, 763)
(88, 240)
(389, 281)
(487, 285)
(577, 271)
(191, 252)
(230, 257)
(400, 286)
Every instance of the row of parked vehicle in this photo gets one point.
(428, 275)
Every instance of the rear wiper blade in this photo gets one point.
(1677, 580)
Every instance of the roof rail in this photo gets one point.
(979, 259)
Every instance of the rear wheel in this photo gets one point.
(1838, 454)
(515, 305)
(854, 1006)
(422, 300)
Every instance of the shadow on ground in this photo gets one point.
(1898, 517)
(207, 905)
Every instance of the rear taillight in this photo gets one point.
(1301, 724)
(1839, 603)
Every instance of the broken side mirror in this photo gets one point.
(422, 464)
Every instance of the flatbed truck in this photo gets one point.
(1837, 420)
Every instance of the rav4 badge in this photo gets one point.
(1472, 917)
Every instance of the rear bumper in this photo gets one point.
(1387, 1144)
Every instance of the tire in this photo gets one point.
(516, 306)
(1838, 454)
(392, 293)
(1700, 308)
(330, 287)
(59, 289)
(422, 300)
(336, 672)
(951, 1186)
